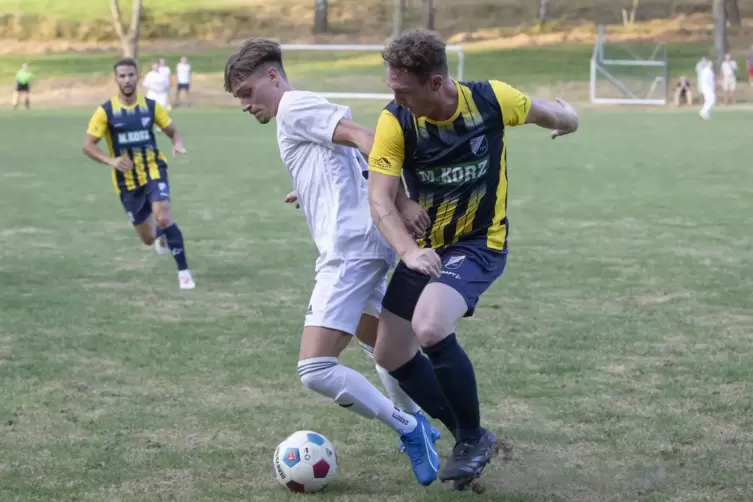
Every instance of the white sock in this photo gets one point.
(394, 391)
(352, 390)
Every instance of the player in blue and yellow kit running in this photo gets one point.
(139, 169)
(447, 139)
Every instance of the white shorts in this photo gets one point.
(344, 290)
(729, 84)
(159, 97)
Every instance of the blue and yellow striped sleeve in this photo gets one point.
(161, 117)
(98, 124)
(514, 104)
(388, 153)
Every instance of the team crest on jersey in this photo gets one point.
(454, 262)
(145, 121)
(479, 145)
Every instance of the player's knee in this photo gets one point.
(316, 378)
(163, 219)
(429, 331)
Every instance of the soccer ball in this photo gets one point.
(305, 462)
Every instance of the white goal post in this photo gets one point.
(623, 75)
(366, 48)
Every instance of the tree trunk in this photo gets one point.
(129, 39)
(397, 18)
(543, 11)
(321, 16)
(721, 44)
(428, 14)
(733, 13)
(634, 10)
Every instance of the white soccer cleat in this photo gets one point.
(160, 245)
(704, 116)
(186, 280)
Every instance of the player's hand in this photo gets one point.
(573, 121)
(292, 197)
(178, 148)
(122, 164)
(423, 260)
(415, 218)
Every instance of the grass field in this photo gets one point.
(528, 67)
(615, 352)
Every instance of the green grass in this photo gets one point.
(615, 352)
(528, 66)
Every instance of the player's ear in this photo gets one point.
(435, 82)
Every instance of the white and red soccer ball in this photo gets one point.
(305, 462)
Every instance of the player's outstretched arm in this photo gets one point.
(348, 133)
(172, 132)
(560, 117)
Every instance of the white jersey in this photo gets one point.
(707, 80)
(156, 82)
(183, 73)
(165, 72)
(328, 180)
(729, 69)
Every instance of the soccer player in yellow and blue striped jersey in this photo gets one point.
(448, 140)
(139, 168)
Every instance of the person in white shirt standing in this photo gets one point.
(183, 76)
(157, 85)
(164, 70)
(699, 66)
(708, 89)
(319, 144)
(729, 78)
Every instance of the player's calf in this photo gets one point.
(174, 238)
(320, 371)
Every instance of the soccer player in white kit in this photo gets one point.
(319, 144)
(157, 85)
(708, 89)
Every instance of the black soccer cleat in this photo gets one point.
(468, 460)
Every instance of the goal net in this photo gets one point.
(627, 73)
(348, 71)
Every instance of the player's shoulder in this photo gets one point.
(294, 103)
(292, 99)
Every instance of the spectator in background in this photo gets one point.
(183, 76)
(729, 78)
(683, 91)
(164, 70)
(708, 89)
(750, 66)
(23, 86)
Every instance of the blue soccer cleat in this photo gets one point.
(434, 432)
(419, 445)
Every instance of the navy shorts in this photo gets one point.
(469, 267)
(138, 203)
(22, 87)
(184, 87)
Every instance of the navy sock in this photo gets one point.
(455, 373)
(175, 243)
(159, 232)
(417, 379)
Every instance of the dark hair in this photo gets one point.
(252, 55)
(125, 62)
(419, 52)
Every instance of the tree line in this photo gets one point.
(724, 13)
